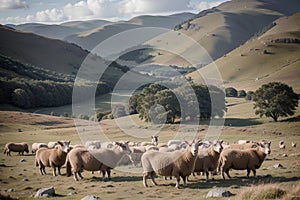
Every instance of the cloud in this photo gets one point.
(13, 4)
(109, 9)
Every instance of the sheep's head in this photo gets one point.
(194, 147)
(154, 139)
(265, 147)
(123, 146)
(64, 145)
(217, 146)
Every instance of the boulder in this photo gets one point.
(218, 192)
(45, 192)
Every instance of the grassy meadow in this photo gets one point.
(241, 123)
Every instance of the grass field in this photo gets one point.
(126, 183)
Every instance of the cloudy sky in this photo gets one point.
(57, 11)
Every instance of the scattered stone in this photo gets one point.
(278, 165)
(72, 193)
(45, 192)
(28, 188)
(10, 190)
(22, 160)
(3, 165)
(284, 155)
(71, 188)
(25, 179)
(219, 192)
(91, 197)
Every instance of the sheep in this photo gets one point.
(107, 145)
(171, 142)
(294, 145)
(93, 144)
(243, 141)
(154, 141)
(241, 146)
(249, 159)
(102, 159)
(281, 145)
(16, 147)
(37, 146)
(178, 163)
(207, 159)
(54, 158)
(136, 154)
(51, 145)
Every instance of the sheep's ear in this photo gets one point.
(221, 141)
(60, 143)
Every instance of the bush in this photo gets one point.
(231, 92)
(241, 93)
(83, 116)
(249, 96)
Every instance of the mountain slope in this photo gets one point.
(60, 31)
(36, 50)
(221, 29)
(273, 56)
(88, 40)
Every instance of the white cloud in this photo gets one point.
(12, 4)
(109, 9)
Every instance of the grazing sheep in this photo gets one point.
(207, 159)
(249, 159)
(102, 159)
(177, 163)
(294, 145)
(54, 158)
(16, 147)
(281, 145)
(93, 144)
(241, 146)
(136, 154)
(171, 142)
(107, 145)
(243, 141)
(51, 145)
(37, 146)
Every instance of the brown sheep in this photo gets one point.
(54, 158)
(16, 147)
(37, 146)
(207, 159)
(177, 163)
(249, 159)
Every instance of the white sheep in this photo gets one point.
(16, 147)
(243, 141)
(51, 145)
(249, 159)
(37, 146)
(281, 145)
(207, 159)
(54, 158)
(136, 154)
(177, 142)
(241, 146)
(102, 159)
(96, 144)
(177, 164)
(154, 141)
(107, 145)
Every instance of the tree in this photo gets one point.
(231, 92)
(241, 93)
(21, 98)
(275, 100)
(249, 96)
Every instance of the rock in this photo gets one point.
(278, 165)
(22, 160)
(10, 190)
(218, 192)
(72, 193)
(90, 197)
(284, 155)
(25, 179)
(45, 192)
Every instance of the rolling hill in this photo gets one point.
(59, 31)
(273, 56)
(89, 39)
(223, 28)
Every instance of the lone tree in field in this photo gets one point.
(275, 100)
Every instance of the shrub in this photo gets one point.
(231, 92)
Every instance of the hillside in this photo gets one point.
(273, 56)
(89, 39)
(59, 31)
(221, 29)
(33, 49)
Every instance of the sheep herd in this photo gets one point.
(175, 158)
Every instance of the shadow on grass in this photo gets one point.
(292, 119)
(235, 122)
(117, 179)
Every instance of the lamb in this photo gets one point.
(16, 147)
(54, 158)
(102, 159)
(51, 145)
(281, 145)
(37, 146)
(249, 159)
(207, 159)
(177, 163)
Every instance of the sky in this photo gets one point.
(58, 11)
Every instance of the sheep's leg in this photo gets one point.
(152, 178)
(145, 175)
(222, 174)
(177, 182)
(75, 176)
(108, 174)
(227, 172)
(54, 171)
(254, 172)
(58, 169)
(103, 175)
(79, 173)
(248, 173)
(207, 176)
(184, 181)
